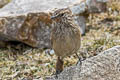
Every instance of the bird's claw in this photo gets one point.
(57, 73)
(80, 61)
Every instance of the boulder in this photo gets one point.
(104, 66)
(3, 3)
(28, 21)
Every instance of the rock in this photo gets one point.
(104, 66)
(81, 21)
(3, 3)
(96, 6)
(82, 9)
(28, 21)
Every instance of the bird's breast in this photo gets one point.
(66, 41)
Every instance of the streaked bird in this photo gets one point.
(65, 36)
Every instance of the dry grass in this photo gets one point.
(102, 33)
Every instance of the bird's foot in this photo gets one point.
(57, 73)
(79, 62)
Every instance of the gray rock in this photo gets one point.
(3, 3)
(28, 21)
(81, 21)
(96, 6)
(105, 66)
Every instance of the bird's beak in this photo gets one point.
(53, 17)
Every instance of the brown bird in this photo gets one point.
(65, 36)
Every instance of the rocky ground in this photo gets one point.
(102, 33)
(4, 2)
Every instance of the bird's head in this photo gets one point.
(61, 14)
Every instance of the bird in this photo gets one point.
(65, 36)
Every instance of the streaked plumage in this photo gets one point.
(65, 34)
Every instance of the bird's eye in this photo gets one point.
(61, 15)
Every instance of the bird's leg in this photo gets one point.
(80, 60)
(59, 66)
